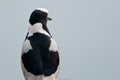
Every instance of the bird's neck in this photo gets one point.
(46, 29)
(38, 28)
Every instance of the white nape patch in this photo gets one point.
(53, 45)
(37, 28)
(29, 34)
(43, 10)
(26, 46)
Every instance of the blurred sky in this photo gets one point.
(87, 32)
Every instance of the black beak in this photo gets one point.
(48, 18)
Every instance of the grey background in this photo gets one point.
(87, 32)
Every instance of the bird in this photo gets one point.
(40, 54)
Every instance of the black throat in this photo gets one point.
(46, 29)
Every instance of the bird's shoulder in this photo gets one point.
(39, 39)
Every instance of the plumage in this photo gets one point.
(40, 56)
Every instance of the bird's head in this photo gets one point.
(39, 15)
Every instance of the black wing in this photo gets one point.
(39, 60)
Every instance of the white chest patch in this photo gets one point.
(53, 45)
(26, 46)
